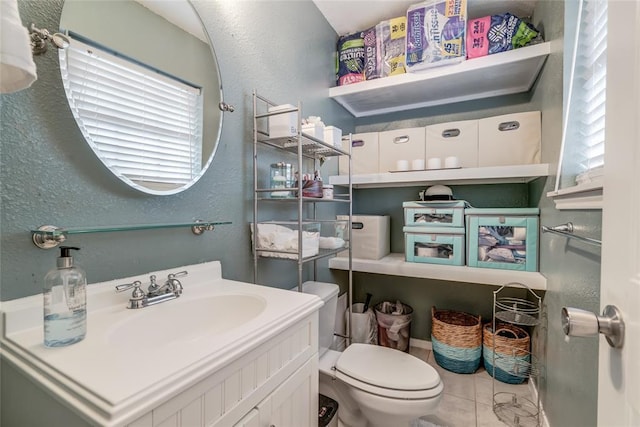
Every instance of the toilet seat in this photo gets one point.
(387, 372)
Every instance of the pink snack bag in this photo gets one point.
(477, 41)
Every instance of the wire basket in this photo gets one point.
(509, 350)
(457, 340)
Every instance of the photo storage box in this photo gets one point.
(433, 245)
(503, 238)
(370, 236)
(434, 213)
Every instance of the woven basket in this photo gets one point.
(456, 338)
(512, 352)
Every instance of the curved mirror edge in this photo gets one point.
(89, 18)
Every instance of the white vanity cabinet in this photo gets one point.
(260, 369)
(277, 383)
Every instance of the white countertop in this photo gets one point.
(117, 379)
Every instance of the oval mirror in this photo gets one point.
(143, 83)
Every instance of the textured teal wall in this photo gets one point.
(49, 175)
(570, 387)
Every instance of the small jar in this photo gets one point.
(327, 191)
(281, 177)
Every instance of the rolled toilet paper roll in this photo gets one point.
(417, 164)
(434, 163)
(402, 165)
(451, 162)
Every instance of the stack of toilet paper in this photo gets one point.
(435, 33)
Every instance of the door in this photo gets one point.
(619, 369)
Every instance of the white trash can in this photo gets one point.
(364, 328)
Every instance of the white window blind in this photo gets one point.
(145, 125)
(584, 125)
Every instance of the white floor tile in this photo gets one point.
(453, 412)
(485, 389)
(420, 353)
(485, 416)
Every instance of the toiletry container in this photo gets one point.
(65, 302)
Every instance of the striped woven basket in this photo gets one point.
(456, 338)
(512, 355)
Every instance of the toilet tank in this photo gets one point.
(328, 293)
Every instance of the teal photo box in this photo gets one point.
(434, 213)
(503, 238)
(434, 245)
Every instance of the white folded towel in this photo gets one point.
(17, 69)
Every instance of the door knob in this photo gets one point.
(582, 323)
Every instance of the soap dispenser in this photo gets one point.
(65, 302)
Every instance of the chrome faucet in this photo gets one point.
(171, 289)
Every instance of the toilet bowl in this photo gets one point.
(374, 386)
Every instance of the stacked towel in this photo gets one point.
(17, 69)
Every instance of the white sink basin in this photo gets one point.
(175, 322)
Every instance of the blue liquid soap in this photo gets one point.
(62, 330)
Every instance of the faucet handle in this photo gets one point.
(153, 286)
(174, 283)
(137, 292)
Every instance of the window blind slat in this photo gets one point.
(146, 125)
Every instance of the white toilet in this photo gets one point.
(374, 386)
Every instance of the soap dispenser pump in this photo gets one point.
(65, 302)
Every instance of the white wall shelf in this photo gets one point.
(395, 265)
(485, 175)
(503, 73)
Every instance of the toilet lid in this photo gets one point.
(387, 368)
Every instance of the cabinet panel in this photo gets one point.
(295, 402)
(252, 419)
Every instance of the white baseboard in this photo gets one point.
(415, 342)
(533, 388)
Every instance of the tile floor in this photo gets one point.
(468, 398)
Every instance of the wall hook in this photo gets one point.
(226, 107)
(39, 39)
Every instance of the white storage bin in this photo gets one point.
(370, 236)
(315, 130)
(333, 136)
(459, 139)
(364, 155)
(511, 139)
(401, 144)
(283, 125)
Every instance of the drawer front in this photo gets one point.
(401, 144)
(434, 248)
(459, 139)
(364, 155)
(511, 139)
